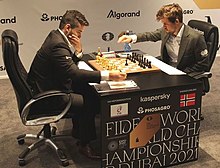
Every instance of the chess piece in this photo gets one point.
(126, 62)
(149, 64)
(99, 52)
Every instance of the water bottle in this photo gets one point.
(127, 46)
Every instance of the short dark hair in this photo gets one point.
(73, 17)
(171, 12)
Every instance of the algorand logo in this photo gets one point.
(8, 20)
(46, 17)
(2, 68)
(119, 15)
(210, 4)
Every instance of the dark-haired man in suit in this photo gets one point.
(181, 47)
(55, 68)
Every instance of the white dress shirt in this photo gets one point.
(173, 45)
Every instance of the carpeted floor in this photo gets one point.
(11, 126)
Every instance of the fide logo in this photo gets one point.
(108, 36)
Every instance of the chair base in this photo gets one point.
(41, 140)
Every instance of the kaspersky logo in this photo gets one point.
(210, 4)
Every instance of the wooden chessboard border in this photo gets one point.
(96, 66)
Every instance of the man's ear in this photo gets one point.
(67, 28)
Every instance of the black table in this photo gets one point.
(154, 126)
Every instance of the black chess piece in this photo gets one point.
(126, 62)
(149, 64)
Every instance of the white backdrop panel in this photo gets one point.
(33, 20)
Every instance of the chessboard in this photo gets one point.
(131, 64)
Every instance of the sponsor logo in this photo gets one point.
(187, 99)
(204, 52)
(141, 110)
(188, 11)
(2, 68)
(108, 36)
(68, 57)
(113, 145)
(8, 20)
(155, 98)
(145, 130)
(117, 144)
(122, 143)
(119, 110)
(119, 15)
(45, 17)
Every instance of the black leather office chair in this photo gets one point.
(211, 35)
(30, 111)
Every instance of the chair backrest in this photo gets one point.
(14, 68)
(211, 36)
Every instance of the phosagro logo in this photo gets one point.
(8, 20)
(142, 110)
(46, 17)
(119, 15)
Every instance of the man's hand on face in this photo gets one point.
(75, 41)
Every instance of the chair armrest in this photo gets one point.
(203, 75)
(45, 119)
(49, 93)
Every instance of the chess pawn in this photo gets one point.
(99, 52)
(99, 55)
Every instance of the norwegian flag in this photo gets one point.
(188, 99)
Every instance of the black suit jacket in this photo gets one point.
(55, 66)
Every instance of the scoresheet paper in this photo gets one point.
(163, 66)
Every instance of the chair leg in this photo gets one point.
(62, 157)
(48, 134)
(21, 138)
(30, 148)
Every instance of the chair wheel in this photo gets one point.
(22, 163)
(65, 163)
(21, 141)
